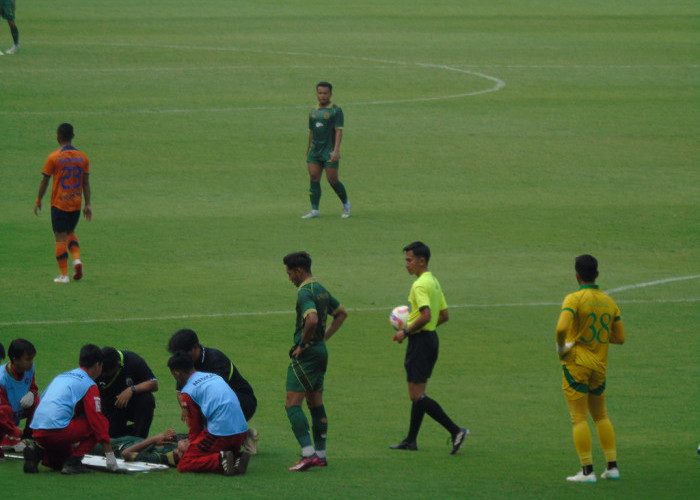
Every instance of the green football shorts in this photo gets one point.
(306, 374)
(7, 10)
(321, 158)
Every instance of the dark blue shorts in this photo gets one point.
(64, 222)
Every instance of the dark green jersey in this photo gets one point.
(323, 123)
(312, 297)
(152, 454)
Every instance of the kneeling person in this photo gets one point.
(19, 394)
(68, 422)
(216, 423)
(126, 387)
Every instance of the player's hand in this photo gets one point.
(124, 398)
(87, 212)
(400, 335)
(37, 207)
(111, 461)
(563, 350)
(169, 436)
(335, 157)
(27, 400)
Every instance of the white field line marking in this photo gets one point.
(498, 84)
(652, 283)
(291, 312)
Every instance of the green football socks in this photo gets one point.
(315, 194)
(340, 191)
(319, 426)
(300, 425)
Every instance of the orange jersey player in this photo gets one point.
(70, 170)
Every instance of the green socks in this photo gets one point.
(340, 191)
(300, 425)
(319, 427)
(315, 194)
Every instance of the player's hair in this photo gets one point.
(90, 354)
(298, 260)
(419, 249)
(183, 340)
(325, 84)
(65, 132)
(181, 361)
(2, 352)
(19, 347)
(587, 268)
(111, 359)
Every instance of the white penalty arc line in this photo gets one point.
(497, 84)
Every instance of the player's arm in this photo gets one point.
(194, 415)
(31, 398)
(308, 145)
(335, 154)
(217, 362)
(617, 334)
(33, 388)
(87, 209)
(99, 424)
(43, 185)
(443, 317)
(310, 323)
(339, 316)
(7, 421)
(566, 318)
(422, 320)
(125, 396)
(129, 454)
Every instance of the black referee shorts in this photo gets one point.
(421, 356)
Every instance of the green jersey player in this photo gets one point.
(309, 359)
(326, 123)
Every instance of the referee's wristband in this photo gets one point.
(405, 332)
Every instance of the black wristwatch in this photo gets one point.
(133, 388)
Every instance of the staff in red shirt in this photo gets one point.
(68, 422)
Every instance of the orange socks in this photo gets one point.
(73, 246)
(62, 256)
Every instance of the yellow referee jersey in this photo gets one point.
(426, 291)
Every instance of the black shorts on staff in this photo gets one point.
(421, 356)
(64, 222)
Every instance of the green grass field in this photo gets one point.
(509, 136)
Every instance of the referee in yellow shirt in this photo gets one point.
(588, 323)
(428, 309)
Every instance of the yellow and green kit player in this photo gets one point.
(588, 323)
